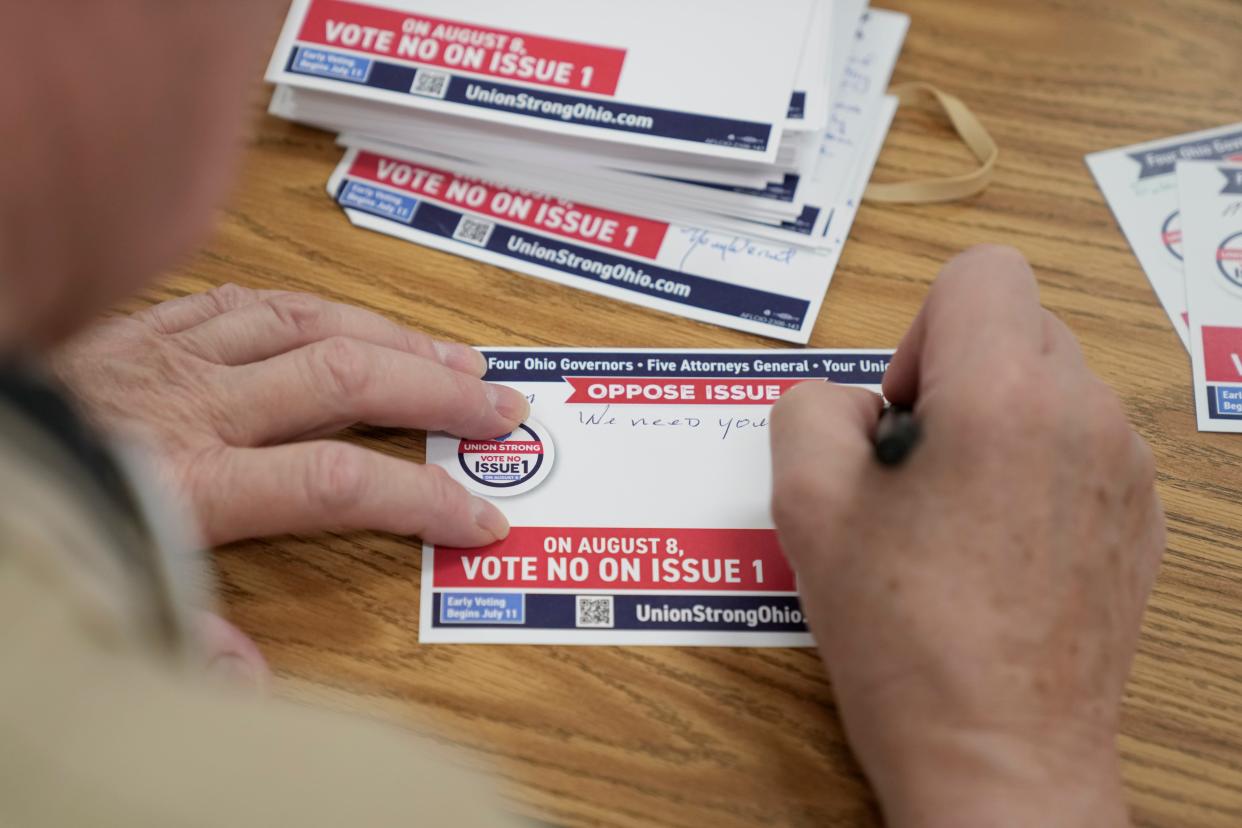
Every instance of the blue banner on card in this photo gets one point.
(626, 274)
(324, 63)
(783, 190)
(797, 106)
(1224, 402)
(554, 366)
(1233, 180)
(492, 609)
(1163, 160)
(653, 612)
(378, 201)
(518, 100)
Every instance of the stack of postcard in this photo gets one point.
(1179, 203)
(704, 158)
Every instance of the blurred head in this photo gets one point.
(120, 123)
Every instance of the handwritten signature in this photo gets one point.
(732, 247)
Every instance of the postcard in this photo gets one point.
(638, 494)
(1211, 202)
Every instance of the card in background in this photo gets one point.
(807, 110)
(1211, 199)
(1140, 184)
(641, 513)
(792, 207)
(731, 279)
(858, 105)
(611, 71)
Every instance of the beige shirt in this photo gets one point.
(103, 720)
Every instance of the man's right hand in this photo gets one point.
(978, 607)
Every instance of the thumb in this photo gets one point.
(821, 441)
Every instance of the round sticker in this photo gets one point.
(509, 465)
(1229, 259)
(1171, 234)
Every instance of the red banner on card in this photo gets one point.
(451, 44)
(696, 560)
(605, 228)
(661, 390)
(1222, 354)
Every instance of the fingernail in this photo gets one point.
(235, 671)
(488, 518)
(508, 403)
(461, 357)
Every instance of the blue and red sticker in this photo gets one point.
(1171, 234)
(1229, 259)
(508, 465)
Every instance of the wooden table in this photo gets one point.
(694, 737)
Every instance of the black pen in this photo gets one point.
(896, 435)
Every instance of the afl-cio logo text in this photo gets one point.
(508, 465)
(1171, 234)
(1229, 259)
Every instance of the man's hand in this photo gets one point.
(231, 389)
(978, 608)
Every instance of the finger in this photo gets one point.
(1153, 552)
(338, 381)
(1060, 342)
(229, 654)
(821, 436)
(326, 485)
(184, 312)
(985, 301)
(823, 425)
(901, 378)
(287, 321)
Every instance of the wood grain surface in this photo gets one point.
(693, 737)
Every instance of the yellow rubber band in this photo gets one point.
(952, 188)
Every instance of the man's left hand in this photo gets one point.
(233, 389)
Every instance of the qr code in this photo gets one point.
(594, 610)
(430, 84)
(474, 231)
